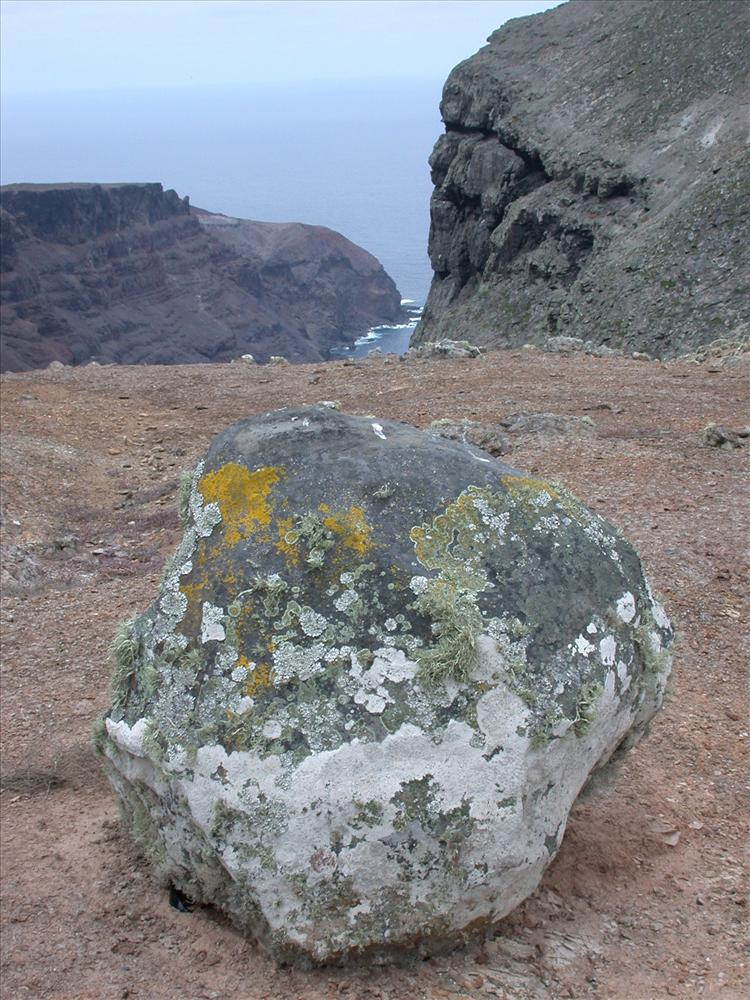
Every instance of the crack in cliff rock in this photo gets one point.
(481, 177)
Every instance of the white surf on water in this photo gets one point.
(390, 339)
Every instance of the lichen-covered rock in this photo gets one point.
(377, 673)
(445, 349)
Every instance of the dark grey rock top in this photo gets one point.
(74, 213)
(593, 179)
(379, 669)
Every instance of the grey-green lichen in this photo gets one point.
(146, 835)
(483, 529)
(656, 656)
(124, 656)
(98, 735)
(184, 492)
(312, 535)
(154, 741)
(385, 492)
(456, 624)
(588, 695)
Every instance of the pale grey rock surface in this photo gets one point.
(593, 177)
(445, 349)
(378, 671)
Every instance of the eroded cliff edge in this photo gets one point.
(130, 273)
(593, 179)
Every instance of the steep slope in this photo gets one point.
(131, 273)
(593, 179)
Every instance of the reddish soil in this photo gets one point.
(648, 896)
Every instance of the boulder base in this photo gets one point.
(378, 671)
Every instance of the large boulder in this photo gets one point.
(376, 675)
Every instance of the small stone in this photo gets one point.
(718, 437)
(68, 541)
(20, 571)
(547, 423)
(445, 349)
(564, 345)
(602, 351)
(484, 436)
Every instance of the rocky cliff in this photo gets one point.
(130, 273)
(593, 179)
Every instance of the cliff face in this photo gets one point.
(130, 273)
(593, 179)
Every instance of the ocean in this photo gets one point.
(350, 158)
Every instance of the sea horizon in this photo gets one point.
(351, 158)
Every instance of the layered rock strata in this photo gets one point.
(593, 179)
(378, 671)
(130, 273)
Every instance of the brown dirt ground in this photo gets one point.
(627, 911)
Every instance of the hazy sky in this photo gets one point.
(81, 45)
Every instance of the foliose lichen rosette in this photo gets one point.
(379, 669)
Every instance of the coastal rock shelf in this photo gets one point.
(130, 273)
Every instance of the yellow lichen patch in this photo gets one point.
(285, 545)
(242, 497)
(194, 594)
(529, 492)
(527, 487)
(260, 678)
(350, 527)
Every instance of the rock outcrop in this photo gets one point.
(593, 179)
(377, 673)
(130, 273)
